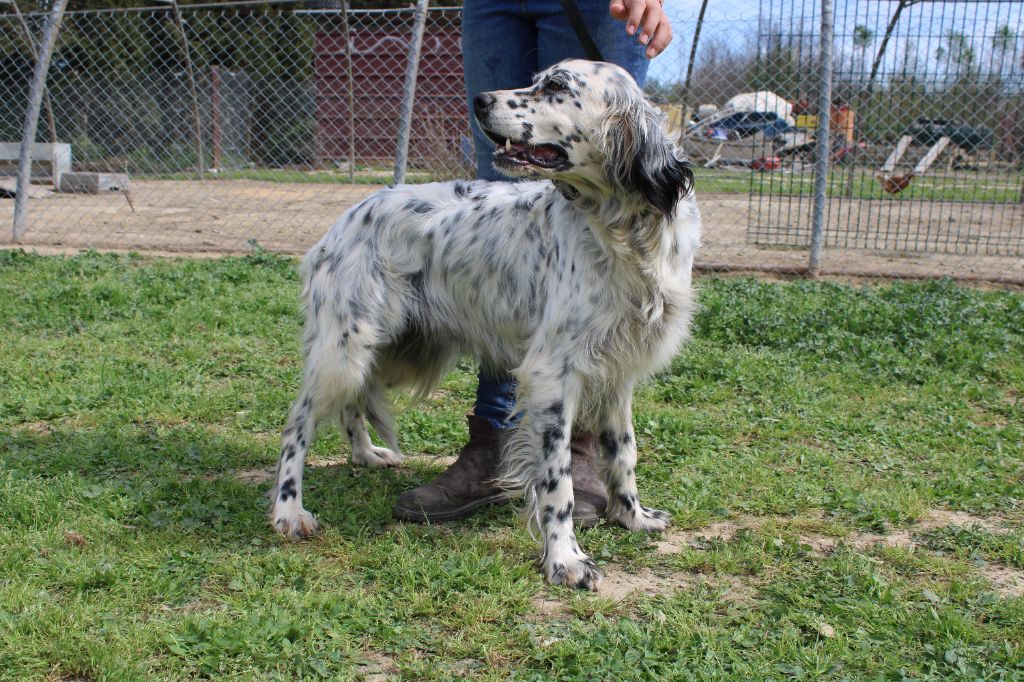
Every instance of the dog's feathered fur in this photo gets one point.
(579, 283)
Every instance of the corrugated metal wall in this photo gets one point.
(378, 62)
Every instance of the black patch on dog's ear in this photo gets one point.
(664, 184)
(640, 156)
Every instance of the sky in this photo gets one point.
(721, 15)
(923, 27)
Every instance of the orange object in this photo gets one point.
(895, 184)
(841, 122)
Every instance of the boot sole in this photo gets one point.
(418, 515)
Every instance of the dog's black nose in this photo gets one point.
(483, 103)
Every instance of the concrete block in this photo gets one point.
(93, 183)
(49, 161)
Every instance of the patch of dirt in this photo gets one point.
(318, 463)
(901, 537)
(74, 538)
(191, 217)
(941, 518)
(440, 460)
(673, 541)
(1005, 581)
(378, 667)
(38, 428)
(547, 608)
(617, 584)
(255, 475)
(265, 474)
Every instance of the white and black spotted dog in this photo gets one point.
(578, 282)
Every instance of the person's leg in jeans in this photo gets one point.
(504, 43)
(499, 52)
(557, 41)
(499, 48)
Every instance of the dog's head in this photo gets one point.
(586, 124)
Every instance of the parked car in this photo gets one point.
(746, 123)
(927, 132)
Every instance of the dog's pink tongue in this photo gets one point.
(545, 153)
(515, 150)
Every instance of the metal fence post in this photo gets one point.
(35, 55)
(35, 101)
(351, 94)
(193, 91)
(685, 99)
(822, 146)
(409, 92)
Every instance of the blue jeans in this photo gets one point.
(504, 43)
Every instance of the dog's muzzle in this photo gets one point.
(513, 153)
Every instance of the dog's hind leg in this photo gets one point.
(618, 464)
(287, 514)
(364, 452)
(333, 376)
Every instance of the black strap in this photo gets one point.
(572, 13)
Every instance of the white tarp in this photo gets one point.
(763, 100)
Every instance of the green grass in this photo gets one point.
(133, 391)
(362, 176)
(966, 187)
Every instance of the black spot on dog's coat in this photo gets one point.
(287, 491)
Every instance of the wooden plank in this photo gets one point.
(901, 148)
(922, 166)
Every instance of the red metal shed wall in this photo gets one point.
(379, 57)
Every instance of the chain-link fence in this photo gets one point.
(243, 124)
(274, 132)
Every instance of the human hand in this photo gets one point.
(647, 17)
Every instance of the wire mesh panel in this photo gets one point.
(289, 116)
(16, 60)
(254, 146)
(926, 134)
(787, 67)
(705, 82)
(947, 89)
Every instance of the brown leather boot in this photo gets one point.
(590, 501)
(467, 485)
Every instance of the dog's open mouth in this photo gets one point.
(521, 154)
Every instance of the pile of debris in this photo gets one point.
(764, 131)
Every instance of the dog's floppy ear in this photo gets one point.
(640, 157)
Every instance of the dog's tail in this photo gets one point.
(518, 475)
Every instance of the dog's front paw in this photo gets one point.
(643, 518)
(294, 524)
(579, 572)
(376, 458)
